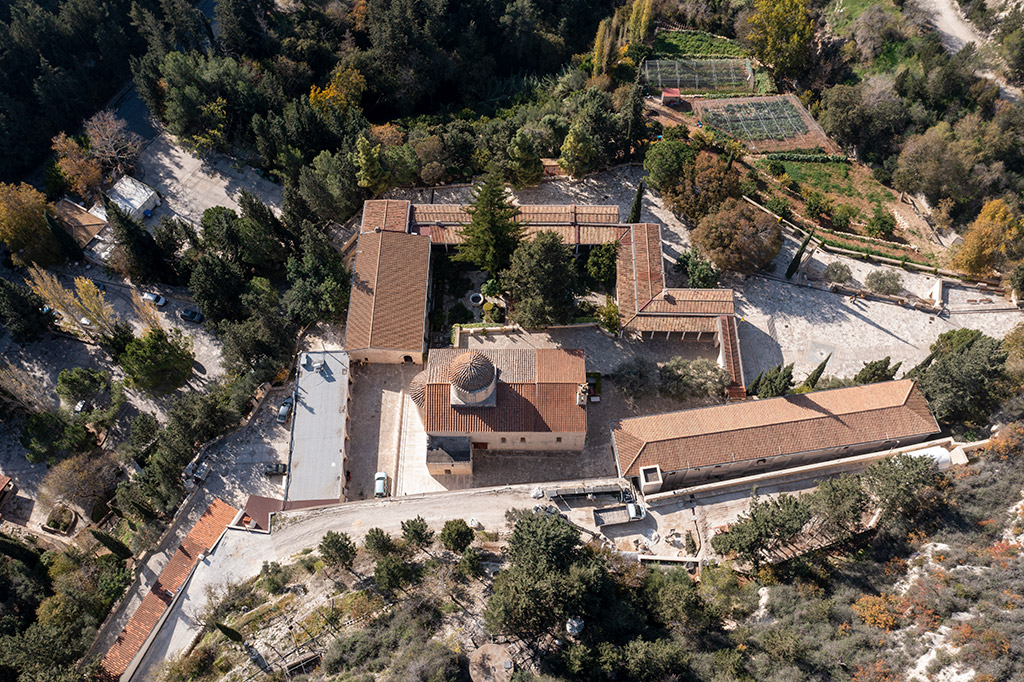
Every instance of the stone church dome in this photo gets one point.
(471, 372)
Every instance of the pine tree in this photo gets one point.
(812, 379)
(370, 172)
(634, 211)
(143, 262)
(21, 312)
(492, 234)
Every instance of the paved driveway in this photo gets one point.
(190, 185)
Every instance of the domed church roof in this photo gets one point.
(471, 372)
(418, 389)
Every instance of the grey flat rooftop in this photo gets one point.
(317, 459)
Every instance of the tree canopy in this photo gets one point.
(738, 237)
(542, 281)
(493, 233)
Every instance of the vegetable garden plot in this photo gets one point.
(765, 124)
(700, 75)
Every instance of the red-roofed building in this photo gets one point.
(725, 441)
(501, 399)
(199, 540)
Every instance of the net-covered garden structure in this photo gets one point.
(773, 123)
(700, 75)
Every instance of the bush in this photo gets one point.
(818, 204)
(469, 564)
(700, 378)
(842, 216)
(882, 223)
(273, 577)
(887, 282)
(392, 573)
(636, 377)
(838, 272)
(780, 206)
(459, 314)
(456, 535)
(378, 543)
(1017, 279)
(776, 167)
(700, 273)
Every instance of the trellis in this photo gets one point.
(768, 119)
(700, 75)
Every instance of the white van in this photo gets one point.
(380, 484)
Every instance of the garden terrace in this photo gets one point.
(765, 124)
(700, 75)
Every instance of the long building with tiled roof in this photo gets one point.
(725, 441)
(387, 312)
(504, 399)
(200, 539)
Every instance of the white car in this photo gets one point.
(155, 299)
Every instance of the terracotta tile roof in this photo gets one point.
(536, 391)
(388, 305)
(730, 341)
(200, 539)
(82, 225)
(691, 302)
(644, 302)
(758, 429)
(574, 224)
(674, 323)
(385, 214)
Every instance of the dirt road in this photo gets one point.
(956, 32)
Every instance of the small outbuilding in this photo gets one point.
(134, 197)
(670, 96)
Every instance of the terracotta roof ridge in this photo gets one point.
(750, 403)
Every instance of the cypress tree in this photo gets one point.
(812, 378)
(492, 233)
(634, 211)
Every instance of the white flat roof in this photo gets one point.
(319, 427)
(130, 194)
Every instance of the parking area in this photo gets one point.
(375, 418)
(239, 462)
(189, 185)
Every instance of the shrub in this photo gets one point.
(776, 167)
(886, 282)
(842, 216)
(818, 204)
(636, 377)
(469, 564)
(392, 573)
(780, 206)
(273, 577)
(838, 272)
(417, 533)
(882, 223)
(456, 535)
(700, 273)
(700, 378)
(378, 543)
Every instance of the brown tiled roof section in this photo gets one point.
(574, 224)
(387, 307)
(730, 341)
(757, 429)
(557, 365)
(536, 391)
(514, 365)
(200, 539)
(385, 214)
(82, 224)
(691, 302)
(444, 214)
(674, 323)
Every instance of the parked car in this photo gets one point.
(191, 316)
(155, 299)
(285, 410)
(276, 469)
(380, 484)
